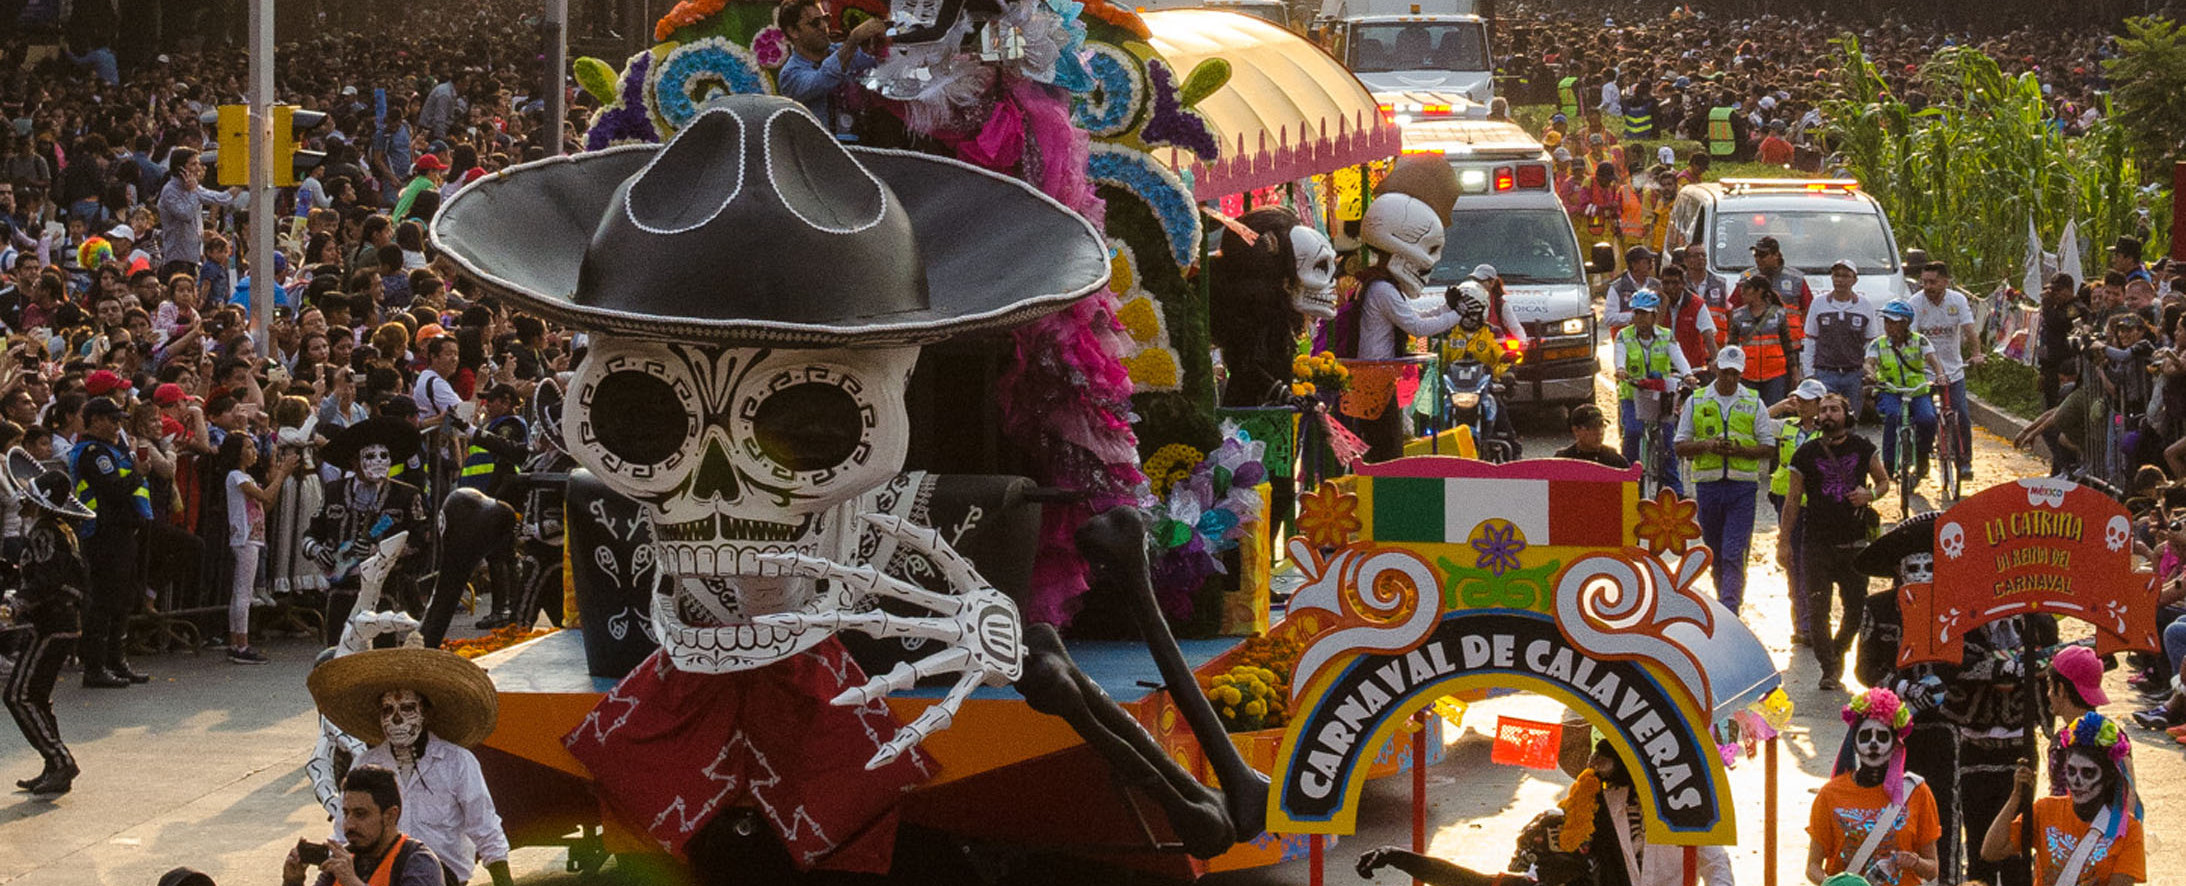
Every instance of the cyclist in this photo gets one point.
(1943, 314)
(1647, 358)
(1904, 365)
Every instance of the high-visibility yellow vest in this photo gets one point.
(1788, 439)
(1710, 423)
(1898, 372)
(84, 493)
(1567, 95)
(1649, 359)
(1722, 139)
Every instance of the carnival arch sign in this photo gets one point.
(1513, 577)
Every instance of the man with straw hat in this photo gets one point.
(419, 710)
(46, 611)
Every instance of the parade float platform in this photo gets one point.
(998, 753)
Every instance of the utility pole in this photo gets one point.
(262, 215)
(556, 77)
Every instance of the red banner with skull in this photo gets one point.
(2037, 545)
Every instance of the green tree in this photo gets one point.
(2148, 95)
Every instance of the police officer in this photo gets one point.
(47, 613)
(108, 483)
(490, 464)
(1726, 432)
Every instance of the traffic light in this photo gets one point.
(291, 163)
(232, 126)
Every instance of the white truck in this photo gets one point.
(1400, 48)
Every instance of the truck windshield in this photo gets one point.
(1812, 241)
(1526, 246)
(1378, 47)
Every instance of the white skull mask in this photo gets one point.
(1872, 743)
(1917, 569)
(402, 717)
(2083, 779)
(374, 462)
(738, 453)
(1316, 296)
(1408, 230)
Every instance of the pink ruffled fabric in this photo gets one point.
(1067, 401)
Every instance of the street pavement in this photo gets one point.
(204, 766)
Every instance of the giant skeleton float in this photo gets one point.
(819, 376)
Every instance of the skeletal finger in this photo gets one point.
(960, 571)
(867, 579)
(933, 720)
(905, 675)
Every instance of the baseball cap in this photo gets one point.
(349, 90)
(1587, 415)
(1484, 272)
(168, 394)
(122, 232)
(1767, 244)
(502, 391)
(2079, 665)
(1731, 357)
(429, 161)
(1811, 389)
(104, 381)
(2127, 246)
(1844, 263)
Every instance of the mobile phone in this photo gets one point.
(312, 853)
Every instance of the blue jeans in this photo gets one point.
(2174, 645)
(1845, 383)
(1891, 405)
(1726, 527)
(1771, 391)
(1628, 425)
(1964, 428)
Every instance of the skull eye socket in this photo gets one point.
(808, 426)
(648, 419)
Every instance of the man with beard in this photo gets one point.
(372, 815)
(1827, 501)
(420, 710)
(2088, 837)
(1872, 818)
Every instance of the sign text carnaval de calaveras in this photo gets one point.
(1490, 647)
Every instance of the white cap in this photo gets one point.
(1731, 357)
(1666, 155)
(1484, 272)
(1811, 389)
(349, 90)
(1846, 264)
(123, 232)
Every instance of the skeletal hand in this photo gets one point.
(978, 624)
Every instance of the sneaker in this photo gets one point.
(247, 656)
(2143, 677)
(2156, 718)
(1965, 472)
(2177, 731)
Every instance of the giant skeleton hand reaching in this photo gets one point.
(336, 749)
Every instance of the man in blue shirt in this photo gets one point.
(818, 68)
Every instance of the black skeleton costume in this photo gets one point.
(46, 614)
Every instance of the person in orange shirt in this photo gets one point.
(2088, 837)
(1873, 818)
(1775, 150)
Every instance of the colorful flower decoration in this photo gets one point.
(685, 14)
(626, 119)
(2100, 732)
(1173, 124)
(1153, 184)
(1170, 465)
(694, 72)
(1883, 705)
(1070, 72)
(770, 48)
(1668, 523)
(1498, 545)
(1204, 514)
(1116, 90)
(1579, 807)
(1328, 517)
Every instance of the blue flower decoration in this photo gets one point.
(1146, 179)
(1110, 103)
(700, 70)
(1070, 73)
(1217, 523)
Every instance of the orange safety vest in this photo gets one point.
(1765, 350)
(386, 871)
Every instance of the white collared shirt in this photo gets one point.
(445, 806)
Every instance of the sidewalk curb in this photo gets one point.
(2003, 424)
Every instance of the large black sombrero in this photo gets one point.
(1915, 535)
(399, 436)
(47, 487)
(754, 227)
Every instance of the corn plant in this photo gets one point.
(1961, 176)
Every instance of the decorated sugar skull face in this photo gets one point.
(2084, 778)
(375, 462)
(738, 453)
(1917, 569)
(1408, 230)
(402, 717)
(1872, 743)
(1316, 296)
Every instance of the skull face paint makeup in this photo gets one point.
(374, 462)
(2083, 779)
(402, 716)
(1917, 569)
(1872, 743)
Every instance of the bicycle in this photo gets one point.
(1908, 443)
(1657, 413)
(1947, 479)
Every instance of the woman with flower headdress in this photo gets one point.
(2088, 837)
(1873, 818)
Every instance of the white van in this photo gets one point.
(1508, 215)
(1816, 221)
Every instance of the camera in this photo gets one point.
(312, 853)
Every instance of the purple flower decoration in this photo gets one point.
(1171, 123)
(771, 48)
(1498, 546)
(625, 120)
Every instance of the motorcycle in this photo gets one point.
(1473, 398)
